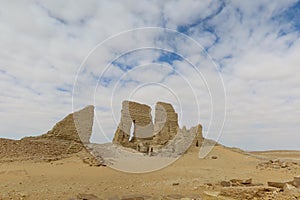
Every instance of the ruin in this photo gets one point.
(166, 123)
(137, 116)
(76, 127)
(136, 129)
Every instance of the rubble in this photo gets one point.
(278, 164)
(296, 181)
(237, 182)
(249, 193)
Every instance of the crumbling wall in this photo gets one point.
(134, 116)
(75, 127)
(70, 134)
(164, 136)
(198, 140)
(166, 123)
(146, 136)
(184, 140)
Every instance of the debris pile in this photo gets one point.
(278, 164)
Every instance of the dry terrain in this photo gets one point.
(189, 176)
(56, 165)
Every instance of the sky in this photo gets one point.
(231, 65)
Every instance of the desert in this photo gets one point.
(57, 165)
(149, 100)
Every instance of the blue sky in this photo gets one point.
(254, 44)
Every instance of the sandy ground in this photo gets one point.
(66, 178)
(288, 155)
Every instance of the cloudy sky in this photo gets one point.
(228, 61)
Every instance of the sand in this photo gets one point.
(189, 175)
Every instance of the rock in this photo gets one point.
(296, 181)
(181, 143)
(278, 184)
(214, 157)
(288, 187)
(136, 197)
(225, 184)
(92, 161)
(236, 182)
(248, 193)
(284, 165)
(190, 198)
(86, 160)
(173, 197)
(133, 198)
(278, 164)
(23, 194)
(240, 182)
(174, 184)
(212, 193)
(87, 197)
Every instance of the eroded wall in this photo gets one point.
(134, 116)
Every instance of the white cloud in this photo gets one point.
(43, 45)
(190, 11)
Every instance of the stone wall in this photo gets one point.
(198, 140)
(76, 127)
(166, 123)
(147, 136)
(137, 118)
(68, 135)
